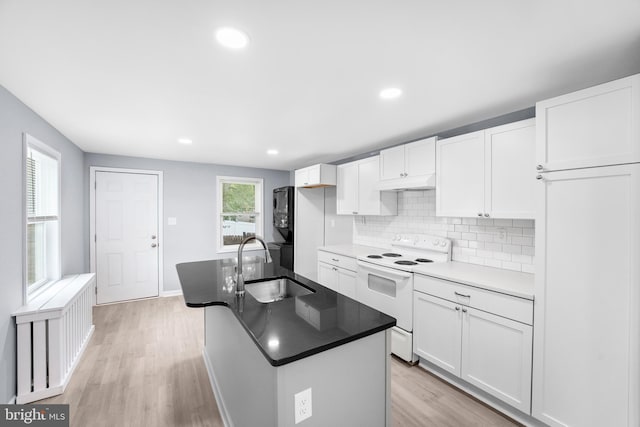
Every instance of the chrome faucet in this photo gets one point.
(240, 277)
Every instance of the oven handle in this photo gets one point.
(390, 271)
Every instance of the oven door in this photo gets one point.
(387, 290)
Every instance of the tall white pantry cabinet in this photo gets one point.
(586, 361)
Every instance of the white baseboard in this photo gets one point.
(173, 293)
(12, 401)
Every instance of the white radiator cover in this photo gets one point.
(53, 331)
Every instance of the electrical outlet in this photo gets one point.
(302, 401)
(502, 235)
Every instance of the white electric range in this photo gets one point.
(385, 282)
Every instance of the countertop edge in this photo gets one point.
(488, 284)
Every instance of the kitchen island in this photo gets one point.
(325, 351)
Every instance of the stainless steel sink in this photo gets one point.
(271, 290)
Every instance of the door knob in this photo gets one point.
(153, 245)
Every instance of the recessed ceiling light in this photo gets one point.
(232, 38)
(185, 141)
(390, 93)
(272, 152)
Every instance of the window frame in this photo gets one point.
(53, 268)
(259, 183)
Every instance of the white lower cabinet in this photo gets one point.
(496, 356)
(437, 331)
(332, 275)
(487, 350)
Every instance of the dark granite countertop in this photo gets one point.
(286, 330)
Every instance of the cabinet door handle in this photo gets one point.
(401, 175)
(335, 269)
(538, 177)
(479, 213)
(464, 310)
(457, 308)
(461, 295)
(539, 167)
(486, 215)
(355, 213)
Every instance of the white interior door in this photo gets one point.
(126, 224)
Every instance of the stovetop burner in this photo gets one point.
(374, 256)
(403, 262)
(391, 255)
(423, 260)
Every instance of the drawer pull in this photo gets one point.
(335, 259)
(462, 295)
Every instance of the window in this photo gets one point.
(42, 200)
(239, 211)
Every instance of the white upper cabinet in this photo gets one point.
(509, 170)
(598, 126)
(460, 175)
(320, 175)
(357, 193)
(489, 173)
(410, 165)
(392, 163)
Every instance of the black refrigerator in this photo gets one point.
(283, 206)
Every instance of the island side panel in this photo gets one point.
(242, 379)
(350, 385)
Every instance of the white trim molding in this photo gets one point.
(259, 211)
(171, 293)
(92, 216)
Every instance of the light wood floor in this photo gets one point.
(144, 367)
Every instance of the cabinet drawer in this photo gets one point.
(337, 260)
(508, 306)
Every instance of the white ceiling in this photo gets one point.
(130, 77)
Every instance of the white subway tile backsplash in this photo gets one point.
(524, 223)
(485, 237)
(512, 249)
(528, 268)
(521, 240)
(476, 260)
(522, 259)
(496, 247)
(499, 243)
(502, 256)
(469, 236)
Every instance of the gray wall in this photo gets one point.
(16, 118)
(190, 196)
